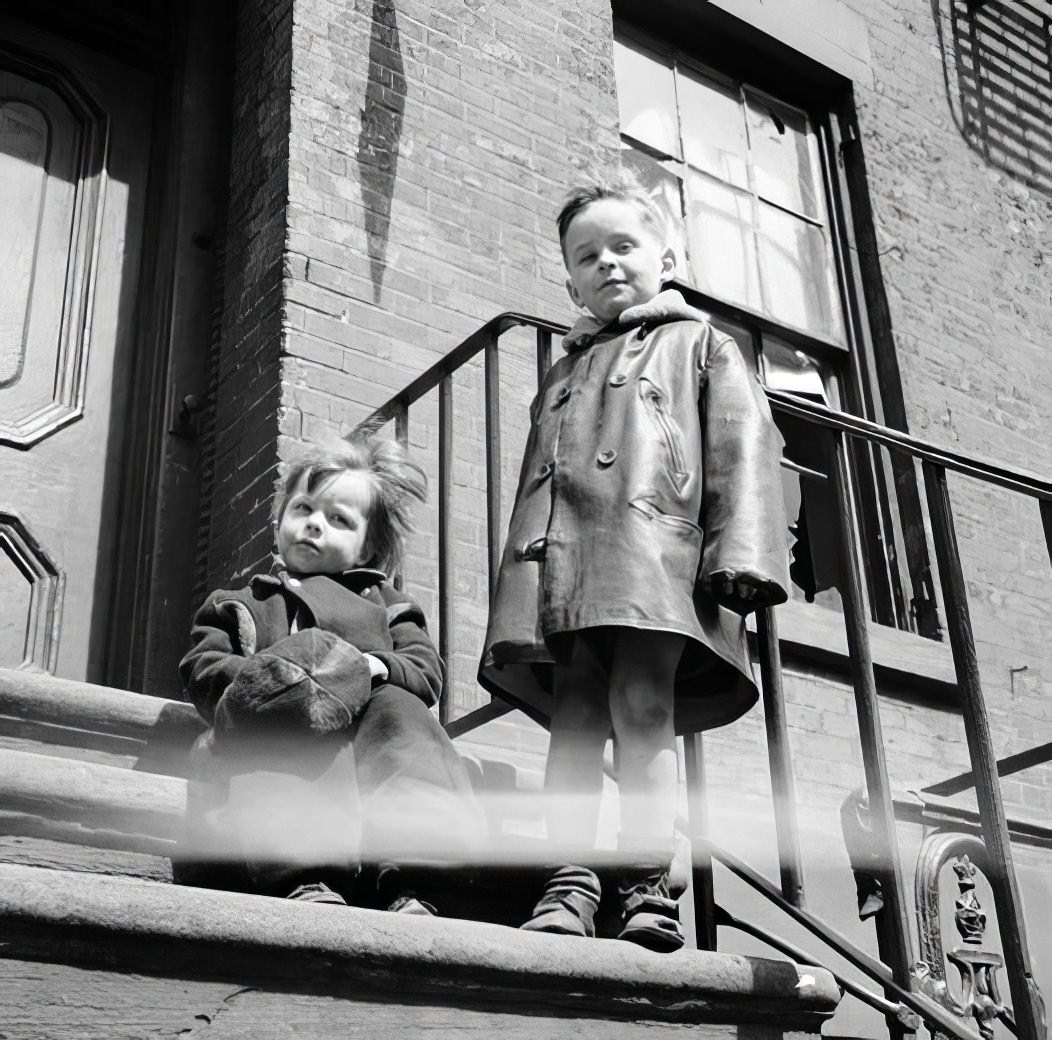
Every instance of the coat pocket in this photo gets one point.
(652, 512)
(655, 401)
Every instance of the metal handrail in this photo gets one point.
(893, 970)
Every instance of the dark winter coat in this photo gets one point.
(652, 465)
(249, 672)
(312, 765)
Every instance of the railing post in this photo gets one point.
(984, 762)
(783, 784)
(544, 354)
(700, 858)
(445, 542)
(891, 922)
(401, 420)
(492, 376)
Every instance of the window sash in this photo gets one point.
(737, 200)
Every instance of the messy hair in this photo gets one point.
(625, 187)
(394, 478)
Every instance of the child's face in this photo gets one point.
(325, 531)
(614, 258)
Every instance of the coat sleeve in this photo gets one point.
(743, 513)
(223, 638)
(413, 664)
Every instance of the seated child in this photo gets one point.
(317, 679)
(648, 520)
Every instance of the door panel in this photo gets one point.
(74, 150)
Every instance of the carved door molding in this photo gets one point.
(43, 612)
(75, 147)
(53, 139)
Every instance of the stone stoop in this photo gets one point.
(108, 957)
(96, 942)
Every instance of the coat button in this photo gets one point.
(561, 397)
(618, 379)
(605, 458)
(545, 471)
(532, 551)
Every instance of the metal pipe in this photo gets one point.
(700, 859)
(544, 354)
(876, 970)
(783, 783)
(445, 543)
(910, 1020)
(1001, 876)
(892, 926)
(493, 531)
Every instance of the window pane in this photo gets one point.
(714, 137)
(797, 274)
(646, 97)
(666, 191)
(786, 368)
(782, 159)
(722, 244)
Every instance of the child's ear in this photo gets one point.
(668, 263)
(574, 295)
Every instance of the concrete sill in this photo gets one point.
(904, 664)
(141, 927)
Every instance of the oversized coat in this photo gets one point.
(310, 765)
(652, 464)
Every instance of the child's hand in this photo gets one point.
(741, 592)
(377, 669)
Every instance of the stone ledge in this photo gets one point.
(117, 924)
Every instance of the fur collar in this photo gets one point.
(668, 305)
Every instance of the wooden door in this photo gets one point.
(74, 149)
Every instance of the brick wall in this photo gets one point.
(429, 147)
(247, 381)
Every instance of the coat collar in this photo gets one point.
(356, 579)
(668, 305)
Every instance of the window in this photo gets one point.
(751, 194)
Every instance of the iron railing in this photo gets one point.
(903, 1004)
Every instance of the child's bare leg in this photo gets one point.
(573, 786)
(642, 674)
(573, 779)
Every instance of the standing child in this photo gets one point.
(648, 520)
(317, 679)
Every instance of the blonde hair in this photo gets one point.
(625, 187)
(394, 478)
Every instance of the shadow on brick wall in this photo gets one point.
(997, 64)
(381, 133)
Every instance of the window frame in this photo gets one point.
(890, 521)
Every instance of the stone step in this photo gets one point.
(89, 803)
(151, 733)
(125, 957)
